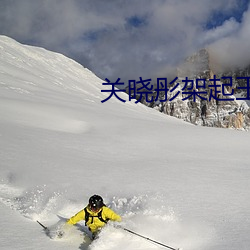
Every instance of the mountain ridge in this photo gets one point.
(222, 109)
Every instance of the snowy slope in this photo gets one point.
(179, 184)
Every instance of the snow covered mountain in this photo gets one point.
(182, 185)
(220, 112)
(223, 113)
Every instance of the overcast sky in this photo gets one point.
(131, 38)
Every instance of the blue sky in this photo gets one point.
(218, 17)
(131, 38)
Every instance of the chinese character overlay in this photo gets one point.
(190, 89)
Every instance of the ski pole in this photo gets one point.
(146, 238)
(45, 228)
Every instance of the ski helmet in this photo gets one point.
(95, 202)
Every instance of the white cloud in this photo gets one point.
(97, 33)
(228, 28)
(233, 50)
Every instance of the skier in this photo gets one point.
(95, 214)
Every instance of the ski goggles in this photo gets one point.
(94, 208)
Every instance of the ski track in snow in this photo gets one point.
(43, 117)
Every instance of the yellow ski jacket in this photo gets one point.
(94, 223)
